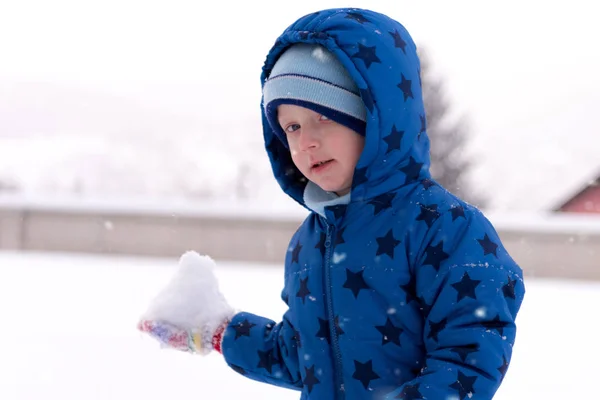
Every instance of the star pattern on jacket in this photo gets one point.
(410, 392)
(429, 214)
(387, 244)
(435, 255)
(321, 244)
(266, 360)
(324, 332)
(360, 176)
(464, 385)
(367, 98)
(412, 170)
(398, 41)
(297, 339)
(457, 212)
(504, 367)
(405, 86)
(382, 202)
(243, 329)
(364, 372)
(368, 54)
(488, 246)
(427, 183)
(508, 290)
(393, 140)
(495, 324)
(355, 282)
(303, 291)
(465, 287)
(389, 332)
(423, 128)
(339, 210)
(435, 328)
(424, 307)
(464, 351)
(356, 16)
(339, 237)
(238, 369)
(409, 288)
(296, 252)
(310, 379)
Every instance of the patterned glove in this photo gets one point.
(191, 341)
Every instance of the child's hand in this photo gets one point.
(170, 336)
(190, 312)
(190, 341)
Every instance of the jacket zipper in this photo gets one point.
(331, 316)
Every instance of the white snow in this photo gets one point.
(69, 332)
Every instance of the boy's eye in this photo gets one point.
(292, 128)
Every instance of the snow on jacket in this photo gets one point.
(406, 290)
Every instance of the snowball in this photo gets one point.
(191, 299)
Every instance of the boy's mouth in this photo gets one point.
(320, 164)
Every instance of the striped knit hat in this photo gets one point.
(310, 76)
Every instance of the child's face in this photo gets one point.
(324, 151)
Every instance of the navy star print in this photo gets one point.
(394, 139)
(435, 255)
(266, 360)
(435, 328)
(457, 212)
(358, 17)
(404, 85)
(429, 214)
(296, 252)
(360, 176)
(367, 54)
(488, 246)
(311, 380)
(364, 372)
(303, 291)
(412, 170)
(409, 288)
(321, 244)
(355, 282)
(410, 392)
(387, 244)
(382, 202)
(243, 329)
(466, 287)
(390, 333)
(398, 41)
(464, 385)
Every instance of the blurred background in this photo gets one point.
(130, 132)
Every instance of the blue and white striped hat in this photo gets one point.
(310, 76)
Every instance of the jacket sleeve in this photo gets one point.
(470, 291)
(263, 350)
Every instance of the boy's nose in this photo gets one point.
(308, 139)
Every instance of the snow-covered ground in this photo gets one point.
(68, 332)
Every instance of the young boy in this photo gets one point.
(395, 288)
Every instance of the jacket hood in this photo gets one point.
(381, 57)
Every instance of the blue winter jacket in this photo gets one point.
(406, 291)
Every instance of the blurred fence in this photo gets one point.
(560, 246)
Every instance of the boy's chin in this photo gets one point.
(337, 189)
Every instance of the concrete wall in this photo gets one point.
(545, 246)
